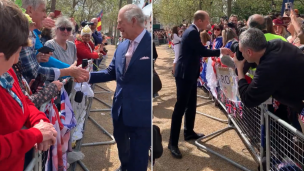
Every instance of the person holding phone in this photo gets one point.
(17, 111)
(296, 27)
(30, 65)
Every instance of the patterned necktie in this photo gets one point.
(129, 54)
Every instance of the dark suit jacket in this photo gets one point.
(133, 92)
(188, 63)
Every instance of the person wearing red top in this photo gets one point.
(22, 125)
(85, 48)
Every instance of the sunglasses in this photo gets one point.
(65, 28)
(217, 29)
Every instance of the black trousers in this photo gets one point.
(185, 104)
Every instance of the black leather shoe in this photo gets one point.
(193, 136)
(175, 151)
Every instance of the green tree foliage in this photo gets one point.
(174, 12)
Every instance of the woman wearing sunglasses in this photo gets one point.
(65, 50)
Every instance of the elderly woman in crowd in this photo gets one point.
(65, 50)
(17, 111)
(85, 47)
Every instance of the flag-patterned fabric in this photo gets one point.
(63, 123)
(302, 115)
(146, 3)
(99, 25)
(54, 160)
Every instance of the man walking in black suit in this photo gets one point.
(186, 74)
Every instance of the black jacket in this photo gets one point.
(188, 63)
(279, 74)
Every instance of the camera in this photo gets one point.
(231, 25)
(235, 49)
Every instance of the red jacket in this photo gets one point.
(84, 52)
(15, 142)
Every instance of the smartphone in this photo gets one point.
(45, 50)
(287, 8)
(39, 81)
(84, 63)
(57, 13)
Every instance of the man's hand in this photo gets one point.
(42, 57)
(48, 23)
(80, 75)
(225, 51)
(58, 84)
(239, 64)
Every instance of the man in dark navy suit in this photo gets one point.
(131, 67)
(186, 74)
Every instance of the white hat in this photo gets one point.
(86, 30)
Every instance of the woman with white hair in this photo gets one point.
(85, 47)
(65, 50)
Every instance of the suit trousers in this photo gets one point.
(185, 104)
(133, 145)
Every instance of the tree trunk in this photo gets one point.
(229, 7)
(111, 29)
(200, 4)
(83, 6)
(129, 1)
(116, 30)
(53, 5)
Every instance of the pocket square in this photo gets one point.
(143, 58)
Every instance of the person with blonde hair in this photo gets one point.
(293, 38)
(205, 39)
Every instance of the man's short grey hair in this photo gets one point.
(252, 23)
(254, 39)
(62, 21)
(133, 11)
(32, 3)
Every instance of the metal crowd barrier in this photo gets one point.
(248, 122)
(274, 144)
(285, 145)
(39, 159)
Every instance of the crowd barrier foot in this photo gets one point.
(112, 141)
(104, 131)
(231, 124)
(83, 166)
